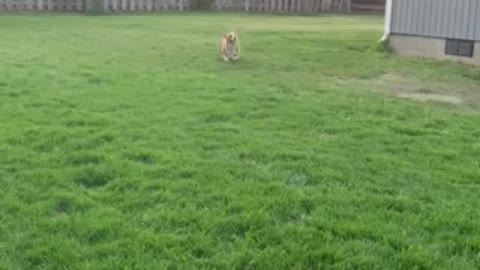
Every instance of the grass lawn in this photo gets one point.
(126, 144)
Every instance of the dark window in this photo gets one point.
(459, 47)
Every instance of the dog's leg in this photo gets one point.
(235, 54)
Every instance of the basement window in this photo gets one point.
(458, 47)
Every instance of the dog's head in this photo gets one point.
(232, 36)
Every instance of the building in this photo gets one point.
(442, 29)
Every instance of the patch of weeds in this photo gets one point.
(381, 47)
(158, 172)
(298, 180)
(86, 120)
(84, 158)
(294, 211)
(186, 174)
(231, 228)
(409, 131)
(217, 117)
(82, 144)
(360, 48)
(94, 176)
(91, 142)
(105, 137)
(17, 93)
(101, 224)
(94, 79)
(49, 141)
(472, 74)
(307, 205)
(292, 156)
(69, 203)
(143, 157)
(416, 259)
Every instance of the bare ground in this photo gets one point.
(466, 95)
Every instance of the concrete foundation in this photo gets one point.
(428, 47)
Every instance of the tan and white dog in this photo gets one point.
(230, 46)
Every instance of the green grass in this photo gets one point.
(126, 144)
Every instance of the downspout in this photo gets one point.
(388, 20)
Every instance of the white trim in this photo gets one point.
(388, 20)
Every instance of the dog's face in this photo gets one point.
(232, 37)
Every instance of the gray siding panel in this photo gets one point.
(444, 18)
(423, 19)
(477, 22)
(436, 14)
(450, 31)
(432, 10)
(398, 14)
(460, 25)
(437, 18)
(413, 20)
(471, 17)
(404, 12)
(466, 22)
(397, 9)
(408, 13)
(459, 19)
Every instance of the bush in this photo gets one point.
(202, 4)
(94, 7)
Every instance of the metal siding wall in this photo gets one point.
(430, 7)
(422, 18)
(409, 24)
(457, 19)
(443, 22)
(394, 20)
(437, 18)
(413, 11)
(396, 15)
(436, 14)
(401, 24)
(450, 30)
(477, 22)
(471, 15)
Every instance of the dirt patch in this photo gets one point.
(392, 77)
(425, 95)
(323, 136)
(404, 87)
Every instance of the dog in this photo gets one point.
(230, 46)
